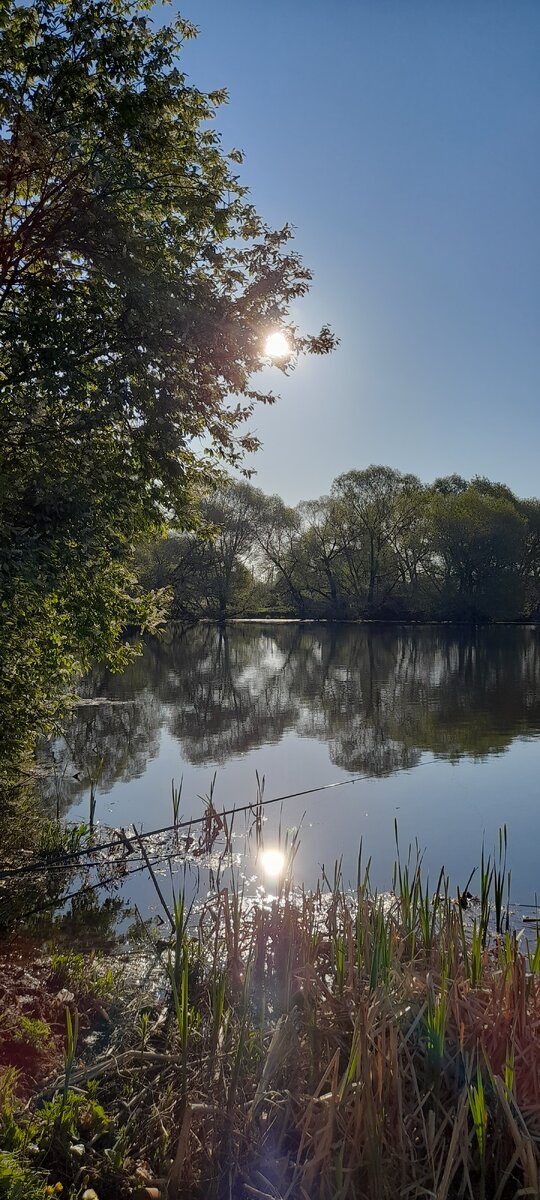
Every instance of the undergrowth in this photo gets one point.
(330, 1046)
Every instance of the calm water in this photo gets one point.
(441, 725)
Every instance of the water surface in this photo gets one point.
(441, 726)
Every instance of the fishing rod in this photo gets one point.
(124, 839)
(91, 887)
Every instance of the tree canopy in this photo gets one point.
(137, 288)
(380, 545)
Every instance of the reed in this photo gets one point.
(436, 1021)
(69, 1053)
(328, 1044)
(479, 1114)
(176, 800)
(501, 882)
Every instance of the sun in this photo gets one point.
(277, 345)
(272, 862)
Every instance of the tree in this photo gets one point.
(450, 485)
(479, 540)
(137, 285)
(277, 549)
(156, 561)
(529, 566)
(412, 540)
(380, 504)
(322, 547)
(219, 573)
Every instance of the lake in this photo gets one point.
(438, 726)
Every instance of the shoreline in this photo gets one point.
(281, 1038)
(355, 621)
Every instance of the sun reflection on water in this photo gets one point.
(272, 862)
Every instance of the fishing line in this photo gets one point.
(75, 855)
(92, 887)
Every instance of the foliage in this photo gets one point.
(347, 1029)
(34, 1031)
(381, 545)
(137, 286)
(19, 1181)
(480, 539)
(58, 840)
(210, 576)
(79, 972)
(54, 1133)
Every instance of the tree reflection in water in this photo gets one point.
(378, 696)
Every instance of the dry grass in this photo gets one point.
(325, 1047)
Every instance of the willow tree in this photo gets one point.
(380, 507)
(480, 543)
(137, 288)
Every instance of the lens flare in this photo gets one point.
(272, 862)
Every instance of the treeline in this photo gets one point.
(382, 545)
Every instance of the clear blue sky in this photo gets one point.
(401, 138)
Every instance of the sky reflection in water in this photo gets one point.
(441, 724)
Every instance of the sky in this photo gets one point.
(401, 139)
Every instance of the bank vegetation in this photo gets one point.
(382, 545)
(338, 1045)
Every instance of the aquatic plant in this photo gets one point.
(323, 1044)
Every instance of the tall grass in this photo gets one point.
(337, 1045)
(381, 1045)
